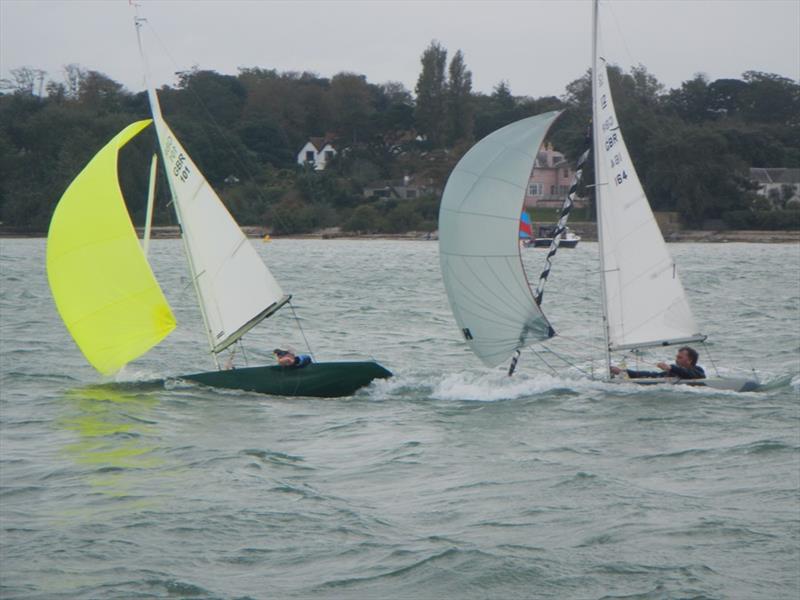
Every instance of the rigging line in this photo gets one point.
(588, 359)
(303, 333)
(239, 160)
(539, 356)
(571, 364)
(713, 364)
(621, 36)
(561, 225)
(240, 342)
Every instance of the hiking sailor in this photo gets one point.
(685, 367)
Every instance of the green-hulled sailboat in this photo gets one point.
(112, 304)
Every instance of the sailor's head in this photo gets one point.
(285, 358)
(686, 357)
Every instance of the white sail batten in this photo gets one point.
(644, 301)
(479, 250)
(234, 287)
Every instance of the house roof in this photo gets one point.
(320, 142)
(775, 175)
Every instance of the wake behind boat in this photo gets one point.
(644, 304)
(111, 303)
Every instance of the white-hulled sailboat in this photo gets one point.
(643, 302)
(110, 300)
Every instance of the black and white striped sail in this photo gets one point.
(645, 303)
(479, 242)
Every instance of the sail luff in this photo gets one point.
(234, 287)
(598, 183)
(155, 110)
(644, 302)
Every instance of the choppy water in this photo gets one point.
(448, 481)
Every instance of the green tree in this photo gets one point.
(771, 98)
(692, 100)
(459, 109)
(365, 219)
(431, 91)
(351, 100)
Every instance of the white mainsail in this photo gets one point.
(234, 286)
(478, 242)
(644, 301)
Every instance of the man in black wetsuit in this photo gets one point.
(686, 367)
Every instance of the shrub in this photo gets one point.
(766, 220)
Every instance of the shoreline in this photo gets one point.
(586, 231)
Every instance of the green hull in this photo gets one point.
(324, 380)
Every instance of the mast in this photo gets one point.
(597, 183)
(155, 109)
(151, 192)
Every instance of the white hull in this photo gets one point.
(734, 384)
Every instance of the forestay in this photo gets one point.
(645, 302)
(235, 288)
(479, 242)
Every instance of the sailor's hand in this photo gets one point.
(663, 366)
(615, 370)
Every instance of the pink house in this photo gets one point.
(550, 180)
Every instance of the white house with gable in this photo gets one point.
(318, 151)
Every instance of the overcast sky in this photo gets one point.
(537, 46)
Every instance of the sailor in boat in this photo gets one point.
(685, 367)
(287, 358)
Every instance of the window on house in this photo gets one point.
(565, 172)
(535, 189)
(310, 156)
(552, 190)
(328, 155)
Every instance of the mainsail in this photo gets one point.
(644, 301)
(479, 242)
(234, 286)
(101, 281)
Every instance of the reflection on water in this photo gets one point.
(116, 432)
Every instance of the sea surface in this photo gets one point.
(449, 480)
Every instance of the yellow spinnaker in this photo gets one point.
(101, 281)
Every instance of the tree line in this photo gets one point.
(692, 145)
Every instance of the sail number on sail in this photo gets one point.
(177, 159)
(613, 139)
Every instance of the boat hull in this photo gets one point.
(545, 242)
(322, 380)
(734, 384)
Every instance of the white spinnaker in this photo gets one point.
(645, 302)
(479, 242)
